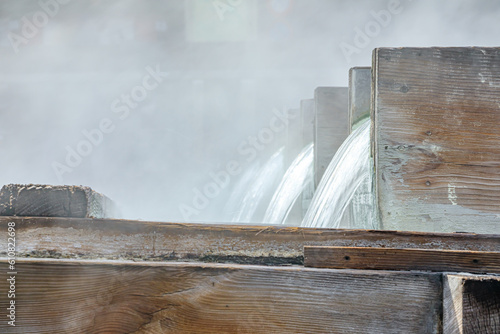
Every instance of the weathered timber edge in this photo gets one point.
(76, 238)
(471, 304)
(375, 258)
(88, 296)
(40, 200)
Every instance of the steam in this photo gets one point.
(226, 76)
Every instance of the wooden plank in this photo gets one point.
(157, 241)
(54, 201)
(127, 297)
(360, 209)
(300, 134)
(436, 138)
(471, 304)
(331, 126)
(360, 90)
(401, 259)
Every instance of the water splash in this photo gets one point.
(349, 168)
(233, 205)
(265, 180)
(293, 183)
(363, 212)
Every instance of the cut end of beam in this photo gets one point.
(37, 200)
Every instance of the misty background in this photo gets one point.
(230, 65)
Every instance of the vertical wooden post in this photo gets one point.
(436, 142)
(360, 89)
(360, 209)
(299, 135)
(331, 126)
(471, 304)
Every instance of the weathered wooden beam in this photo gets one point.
(360, 210)
(300, 133)
(436, 121)
(128, 297)
(360, 82)
(54, 201)
(155, 241)
(331, 126)
(471, 304)
(401, 259)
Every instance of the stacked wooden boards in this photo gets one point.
(62, 297)
(119, 276)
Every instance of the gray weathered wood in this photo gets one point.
(471, 304)
(156, 241)
(300, 133)
(61, 297)
(361, 207)
(360, 82)
(401, 259)
(331, 126)
(436, 121)
(54, 201)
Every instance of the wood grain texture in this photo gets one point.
(331, 126)
(111, 297)
(436, 133)
(54, 201)
(155, 241)
(471, 304)
(401, 259)
(360, 83)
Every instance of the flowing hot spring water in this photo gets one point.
(264, 182)
(349, 170)
(239, 191)
(296, 179)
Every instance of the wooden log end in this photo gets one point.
(37, 200)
